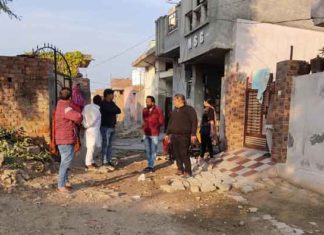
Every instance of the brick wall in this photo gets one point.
(234, 111)
(279, 118)
(24, 94)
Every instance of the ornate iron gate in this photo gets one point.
(67, 78)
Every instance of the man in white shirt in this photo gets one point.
(92, 122)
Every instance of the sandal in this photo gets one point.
(64, 190)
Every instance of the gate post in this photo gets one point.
(279, 117)
(234, 111)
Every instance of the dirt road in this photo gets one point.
(117, 203)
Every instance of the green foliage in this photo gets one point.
(14, 145)
(4, 8)
(75, 59)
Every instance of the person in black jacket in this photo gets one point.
(182, 130)
(109, 111)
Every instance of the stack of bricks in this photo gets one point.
(279, 118)
(24, 95)
(235, 91)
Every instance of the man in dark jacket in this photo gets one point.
(152, 122)
(182, 130)
(109, 111)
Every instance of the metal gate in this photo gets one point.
(66, 79)
(254, 113)
(255, 116)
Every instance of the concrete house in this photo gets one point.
(214, 47)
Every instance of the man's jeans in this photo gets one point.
(151, 146)
(67, 154)
(108, 135)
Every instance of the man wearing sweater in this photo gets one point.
(152, 122)
(66, 121)
(182, 129)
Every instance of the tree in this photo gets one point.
(4, 8)
(75, 60)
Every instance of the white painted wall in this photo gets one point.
(151, 83)
(138, 76)
(305, 158)
(258, 45)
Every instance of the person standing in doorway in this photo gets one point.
(66, 121)
(205, 137)
(207, 129)
(152, 121)
(92, 122)
(182, 129)
(209, 110)
(109, 111)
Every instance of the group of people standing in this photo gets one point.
(99, 121)
(181, 132)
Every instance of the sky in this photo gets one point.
(102, 28)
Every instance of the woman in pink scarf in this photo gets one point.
(77, 98)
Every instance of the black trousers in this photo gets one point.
(170, 152)
(180, 149)
(206, 142)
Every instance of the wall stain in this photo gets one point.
(320, 167)
(322, 91)
(290, 140)
(317, 139)
(305, 163)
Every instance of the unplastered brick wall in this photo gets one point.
(24, 94)
(279, 118)
(235, 90)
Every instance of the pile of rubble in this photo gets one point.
(12, 177)
(207, 179)
(22, 157)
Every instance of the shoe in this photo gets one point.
(110, 164)
(187, 175)
(149, 170)
(68, 186)
(91, 167)
(179, 172)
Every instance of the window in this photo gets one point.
(168, 65)
(188, 79)
(199, 14)
(188, 89)
(205, 11)
(189, 25)
(198, 17)
(188, 72)
(172, 21)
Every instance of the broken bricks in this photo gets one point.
(13, 177)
